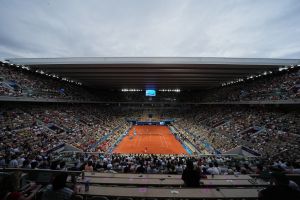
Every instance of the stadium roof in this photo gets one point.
(154, 72)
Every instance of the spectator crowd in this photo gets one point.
(30, 131)
(270, 132)
(18, 82)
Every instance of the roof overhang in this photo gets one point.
(158, 72)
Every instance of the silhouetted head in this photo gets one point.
(189, 164)
(59, 181)
(280, 179)
(7, 184)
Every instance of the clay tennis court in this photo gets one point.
(150, 140)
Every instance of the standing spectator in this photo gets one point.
(191, 176)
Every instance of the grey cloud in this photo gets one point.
(69, 28)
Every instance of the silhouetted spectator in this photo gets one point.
(58, 190)
(191, 176)
(283, 189)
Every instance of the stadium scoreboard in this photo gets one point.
(150, 93)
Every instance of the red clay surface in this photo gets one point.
(150, 140)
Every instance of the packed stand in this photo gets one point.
(283, 85)
(30, 131)
(268, 132)
(18, 82)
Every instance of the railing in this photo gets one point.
(118, 140)
(129, 185)
(197, 150)
(102, 139)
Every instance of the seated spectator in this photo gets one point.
(2, 161)
(141, 169)
(89, 167)
(54, 165)
(213, 169)
(34, 165)
(283, 189)
(179, 168)
(191, 176)
(109, 169)
(263, 173)
(58, 190)
(9, 191)
(13, 163)
(62, 166)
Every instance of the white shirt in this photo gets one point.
(13, 163)
(179, 169)
(213, 170)
(20, 161)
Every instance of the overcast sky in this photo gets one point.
(212, 28)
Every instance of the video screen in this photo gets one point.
(150, 93)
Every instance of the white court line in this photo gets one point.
(162, 144)
(165, 141)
